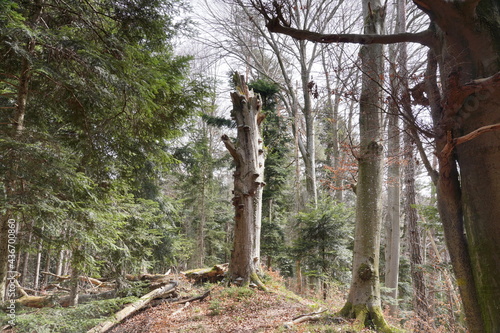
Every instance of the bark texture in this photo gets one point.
(364, 301)
(248, 155)
(420, 299)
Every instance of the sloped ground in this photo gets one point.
(225, 310)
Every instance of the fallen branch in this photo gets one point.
(181, 309)
(57, 287)
(306, 317)
(133, 308)
(192, 299)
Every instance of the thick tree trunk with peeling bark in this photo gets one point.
(248, 155)
(364, 302)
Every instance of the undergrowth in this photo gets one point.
(66, 320)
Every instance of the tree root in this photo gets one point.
(366, 316)
(255, 279)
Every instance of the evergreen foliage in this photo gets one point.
(105, 94)
(324, 240)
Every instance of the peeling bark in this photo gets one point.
(248, 155)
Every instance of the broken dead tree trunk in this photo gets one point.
(133, 308)
(212, 274)
(248, 155)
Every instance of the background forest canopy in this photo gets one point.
(111, 114)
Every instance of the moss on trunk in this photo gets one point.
(367, 316)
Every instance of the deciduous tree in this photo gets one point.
(462, 41)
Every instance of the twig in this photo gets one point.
(192, 299)
(304, 317)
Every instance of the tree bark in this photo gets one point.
(248, 155)
(363, 302)
(393, 237)
(420, 300)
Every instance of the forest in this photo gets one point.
(249, 166)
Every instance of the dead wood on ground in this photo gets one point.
(306, 317)
(133, 308)
(212, 274)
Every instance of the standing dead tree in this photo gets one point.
(248, 155)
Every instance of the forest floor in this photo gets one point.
(224, 310)
(236, 310)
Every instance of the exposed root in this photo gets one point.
(365, 316)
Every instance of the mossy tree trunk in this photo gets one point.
(248, 155)
(364, 302)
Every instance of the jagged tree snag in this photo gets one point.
(248, 155)
(463, 40)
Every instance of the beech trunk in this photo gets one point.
(364, 302)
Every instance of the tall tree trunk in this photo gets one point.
(74, 287)
(333, 126)
(420, 299)
(310, 151)
(248, 157)
(201, 227)
(45, 280)
(36, 277)
(4, 252)
(60, 263)
(393, 242)
(393, 211)
(364, 302)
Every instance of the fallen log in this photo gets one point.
(32, 301)
(306, 317)
(132, 308)
(212, 274)
(88, 279)
(36, 301)
(86, 298)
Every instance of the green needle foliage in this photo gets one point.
(104, 94)
(324, 241)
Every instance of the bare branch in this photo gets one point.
(425, 37)
(231, 148)
(474, 134)
(452, 143)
